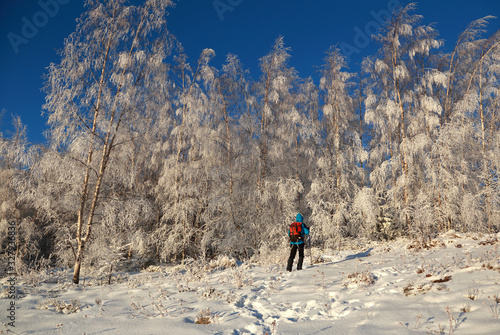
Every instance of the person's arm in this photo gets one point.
(305, 229)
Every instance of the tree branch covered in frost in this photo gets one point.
(167, 159)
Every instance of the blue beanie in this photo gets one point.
(299, 218)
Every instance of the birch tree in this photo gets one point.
(16, 158)
(476, 110)
(108, 67)
(459, 63)
(462, 156)
(273, 90)
(484, 85)
(395, 111)
(339, 175)
(228, 209)
(184, 184)
(279, 136)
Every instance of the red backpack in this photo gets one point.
(295, 231)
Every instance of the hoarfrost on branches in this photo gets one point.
(154, 158)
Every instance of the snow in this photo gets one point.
(394, 287)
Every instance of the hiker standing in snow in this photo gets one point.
(297, 233)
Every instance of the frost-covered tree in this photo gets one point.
(185, 182)
(16, 156)
(229, 208)
(448, 172)
(153, 158)
(402, 114)
(280, 139)
(484, 87)
(338, 172)
(109, 67)
(457, 65)
(465, 149)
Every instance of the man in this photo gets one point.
(297, 233)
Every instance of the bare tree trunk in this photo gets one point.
(78, 263)
(83, 197)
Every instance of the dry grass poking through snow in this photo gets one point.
(448, 285)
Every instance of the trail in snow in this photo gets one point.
(386, 288)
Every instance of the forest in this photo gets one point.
(151, 158)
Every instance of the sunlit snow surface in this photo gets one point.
(384, 288)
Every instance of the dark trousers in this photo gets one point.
(293, 252)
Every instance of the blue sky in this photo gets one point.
(31, 32)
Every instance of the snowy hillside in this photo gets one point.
(452, 287)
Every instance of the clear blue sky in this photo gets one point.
(31, 31)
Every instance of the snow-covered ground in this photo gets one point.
(386, 288)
